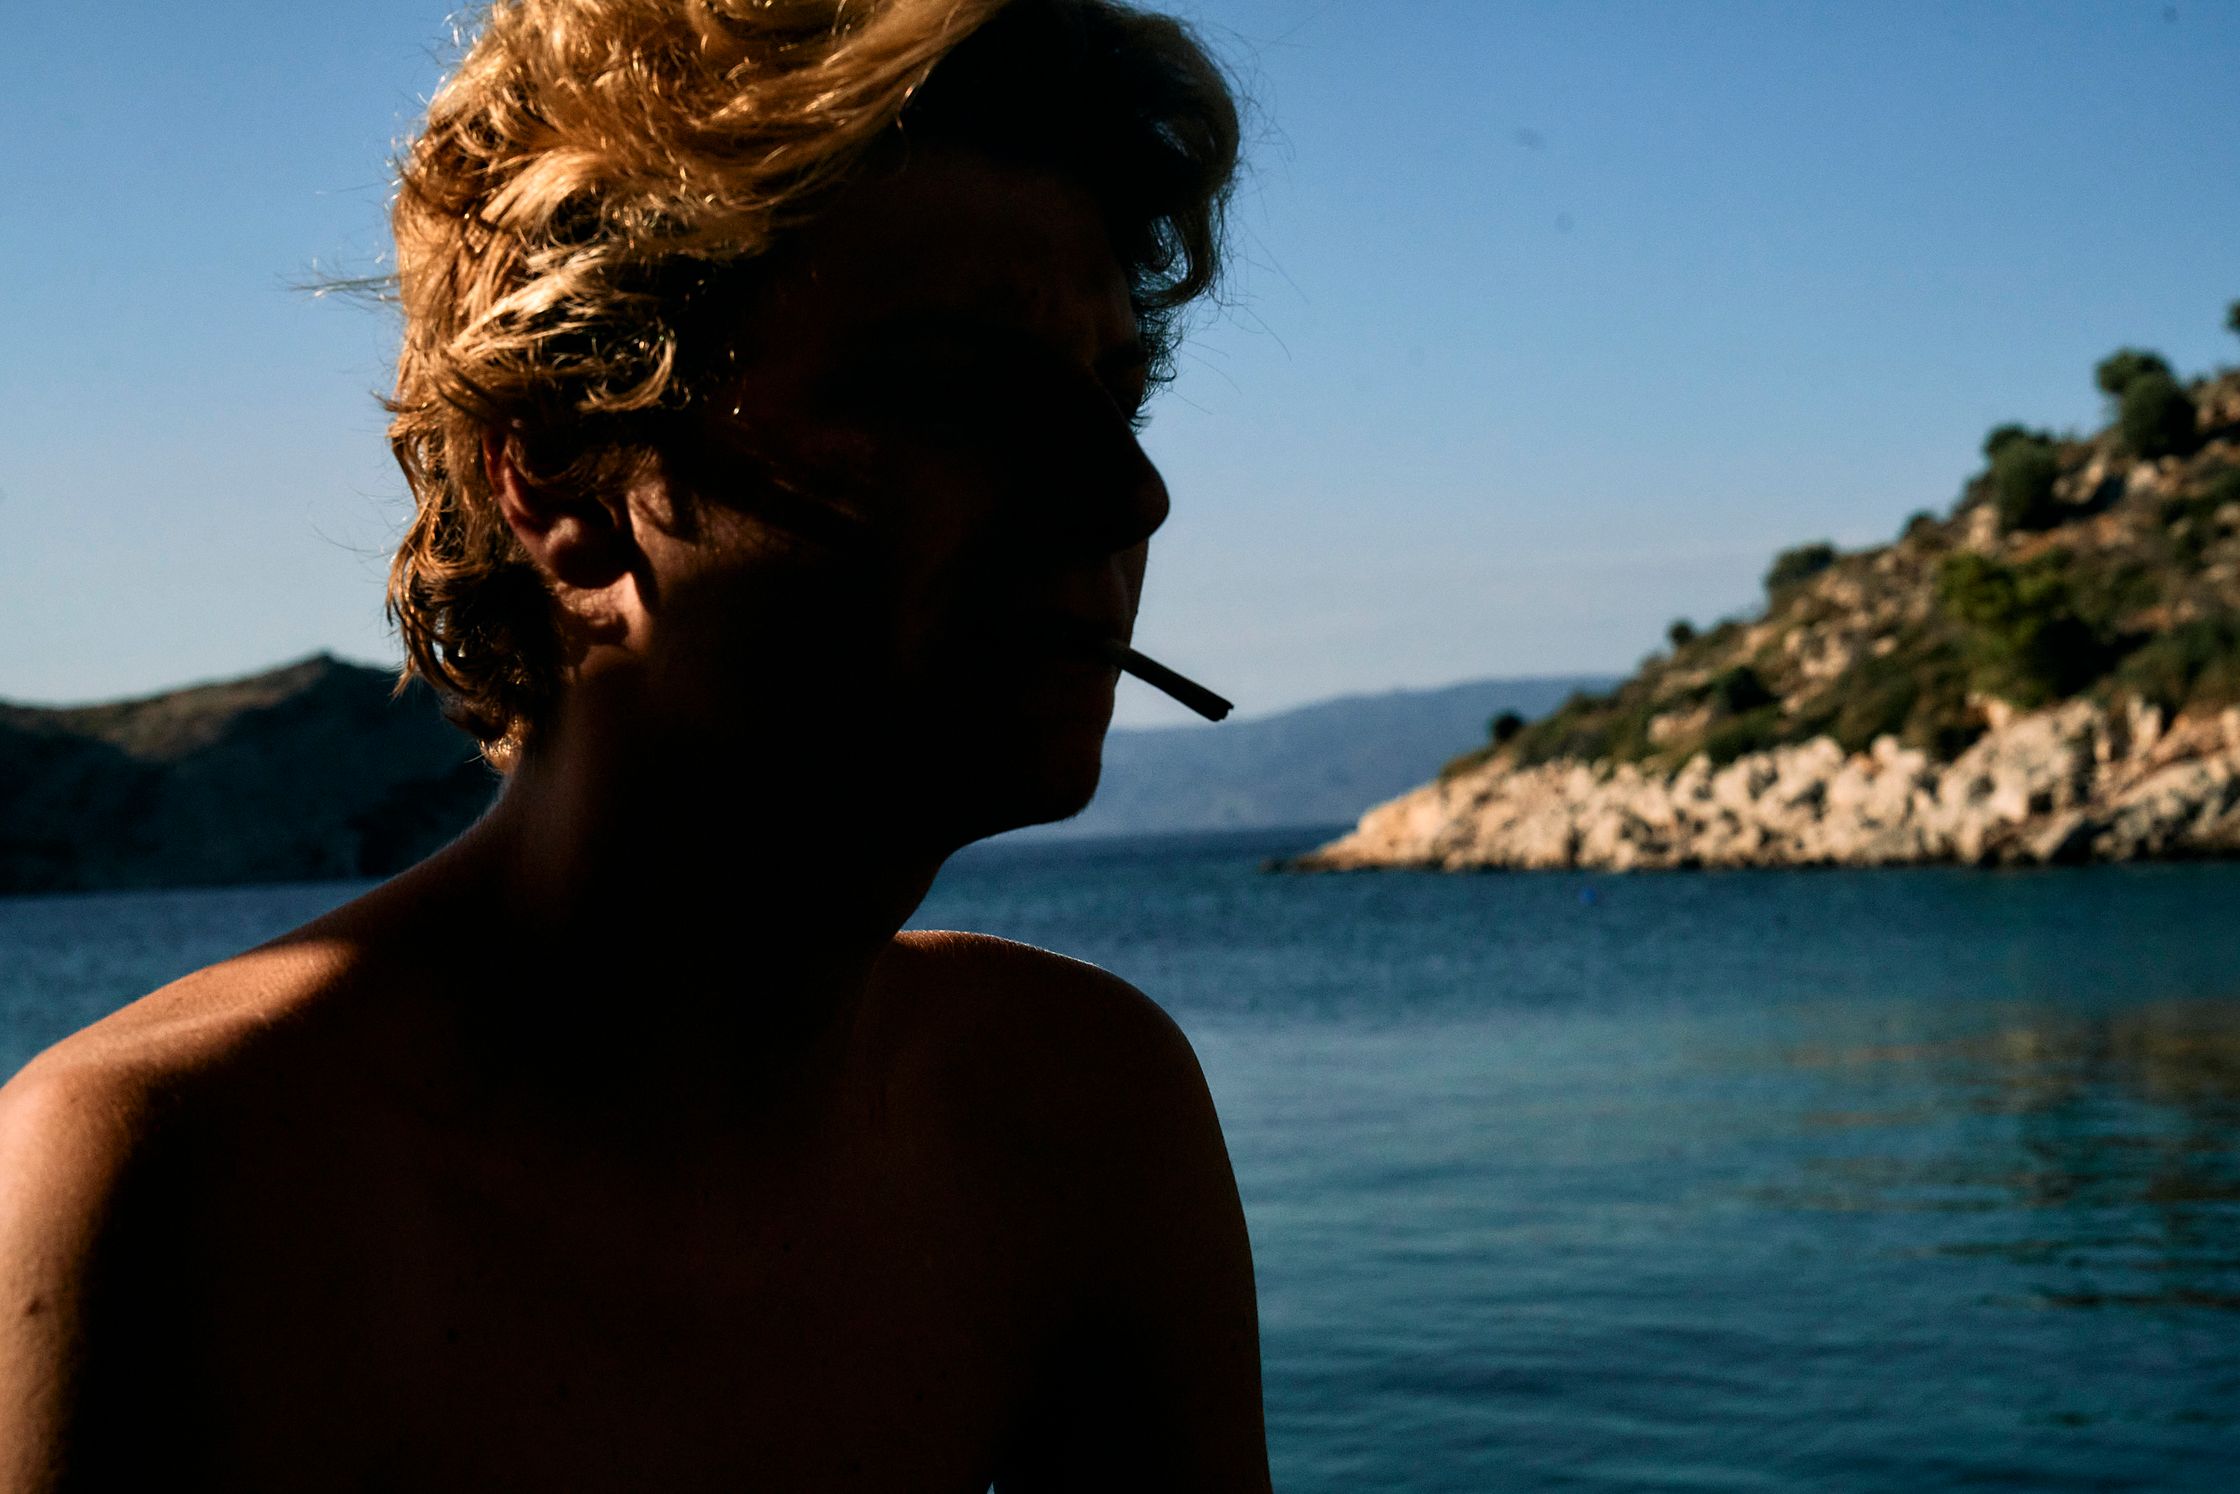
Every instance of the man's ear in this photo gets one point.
(582, 544)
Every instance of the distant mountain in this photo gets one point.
(318, 770)
(1320, 764)
(313, 771)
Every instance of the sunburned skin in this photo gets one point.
(629, 1143)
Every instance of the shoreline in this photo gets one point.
(2072, 784)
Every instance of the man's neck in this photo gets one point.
(693, 930)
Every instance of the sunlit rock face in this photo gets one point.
(2076, 782)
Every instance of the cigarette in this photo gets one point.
(1192, 694)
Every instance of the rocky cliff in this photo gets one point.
(2073, 783)
(2049, 673)
(313, 771)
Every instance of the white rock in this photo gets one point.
(2057, 784)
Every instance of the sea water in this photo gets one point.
(1904, 1180)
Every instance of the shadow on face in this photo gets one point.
(923, 501)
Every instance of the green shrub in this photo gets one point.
(2189, 518)
(2112, 590)
(1585, 738)
(1918, 693)
(2022, 476)
(1577, 728)
(1920, 525)
(1942, 723)
(1975, 589)
(1681, 633)
(1799, 564)
(2232, 318)
(2218, 683)
(2024, 639)
(1504, 728)
(1627, 740)
(2003, 436)
(1753, 731)
(2200, 503)
(2116, 371)
(1737, 691)
(2157, 416)
(1877, 696)
(1591, 727)
(2196, 663)
(1454, 767)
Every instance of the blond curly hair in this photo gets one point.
(597, 175)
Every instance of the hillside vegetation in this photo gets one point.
(2103, 566)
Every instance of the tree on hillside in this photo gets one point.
(2232, 318)
(2116, 371)
(1681, 633)
(2023, 468)
(2156, 416)
(1504, 728)
(1801, 563)
(2000, 437)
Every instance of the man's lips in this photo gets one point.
(1090, 637)
(1087, 645)
(1050, 635)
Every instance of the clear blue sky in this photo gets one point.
(1551, 321)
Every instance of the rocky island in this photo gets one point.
(2049, 673)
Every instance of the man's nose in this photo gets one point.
(1134, 503)
(1094, 489)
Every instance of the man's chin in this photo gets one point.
(990, 797)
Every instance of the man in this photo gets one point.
(767, 393)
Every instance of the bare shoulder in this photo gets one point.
(1062, 1070)
(1092, 1091)
(147, 1057)
(109, 1079)
(1068, 1042)
(1043, 995)
(1068, 1073)
(73, 1131)
(88, 1116)
(94, 1113)
(101, 1137)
